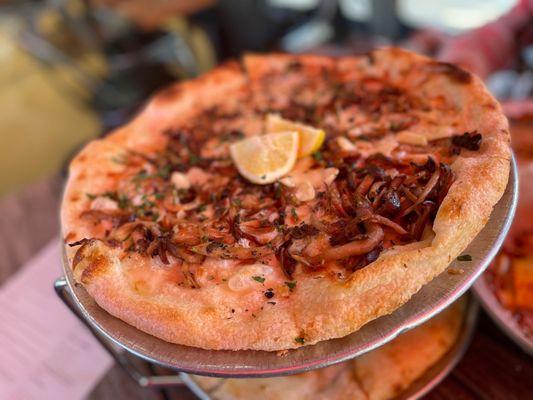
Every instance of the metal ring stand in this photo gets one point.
(433, 376)
(62, 290)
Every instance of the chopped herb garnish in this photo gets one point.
(119, 159)
(291, 285)
(142, 175)
(90, 196)
(317, 155)
(259, 279)
(194, 159)
(237, 202)
(164, 172)
(159, 196)
(299, 340)
(277, 194)
(293, 213)
(464, 257)
(201, 208)
(263, 177)
(110, 195)
(123, 202)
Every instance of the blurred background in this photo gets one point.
(74, 69)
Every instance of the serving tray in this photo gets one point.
(429, 301)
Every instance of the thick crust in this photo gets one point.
(381, 374)
(319, 309)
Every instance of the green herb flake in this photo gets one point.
(259, 279)
(237, 202)
(91, 196)
(120, 159)
(194, 159)
(110, 195)
(293, 213)
(201, 208)
(464, 257)
(317, 155)
(291, 285)
(164, 172)
(299, 340)
(123, 202)
(141, 176)
(277, 194)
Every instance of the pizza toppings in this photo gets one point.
(345, 174)
(327, 192)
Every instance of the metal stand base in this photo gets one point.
(119, 355)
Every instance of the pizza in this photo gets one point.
(198, 224)
(381, 374)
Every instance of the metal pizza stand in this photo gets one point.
(124, 341)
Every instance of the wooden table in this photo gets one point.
(493, 367)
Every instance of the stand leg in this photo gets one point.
(62, 290)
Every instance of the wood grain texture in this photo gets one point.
(493, 368)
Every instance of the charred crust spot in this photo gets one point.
(89, 258)
(96, 266)
(294, 66)
(453, 72)
(490, 105)
(468, 140)
(234, 65)
(69, 237)
(170, 94)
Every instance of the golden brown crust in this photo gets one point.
(381, 374)
(319, 309)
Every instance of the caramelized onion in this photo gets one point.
(261, 234)
(365, 185)
(425, 192)
(387, 222)
(221, 250)
(373, 237)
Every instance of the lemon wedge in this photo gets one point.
(310, 138)
(265, 158)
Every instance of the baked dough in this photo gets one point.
(378, 375)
